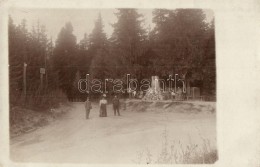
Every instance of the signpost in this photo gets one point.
(42, 70)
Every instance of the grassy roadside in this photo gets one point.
(24, 120)
(170, 106)
(175, 152)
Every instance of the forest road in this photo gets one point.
(112, 139)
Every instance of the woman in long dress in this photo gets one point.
(103, 107)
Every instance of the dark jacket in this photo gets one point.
(115, 102)
(88, 105)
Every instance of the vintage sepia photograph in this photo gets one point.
(112, 86)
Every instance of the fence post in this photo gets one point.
(24, 81)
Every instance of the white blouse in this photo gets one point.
(102, 101)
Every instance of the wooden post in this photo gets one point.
(24, 81)
(175, 79)
(42, 72)
(45, 67)
(41, 81)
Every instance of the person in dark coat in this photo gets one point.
(88, 107)
(103, 106)
(116, 105)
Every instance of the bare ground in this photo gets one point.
(116, 139)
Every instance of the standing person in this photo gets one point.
(88, 107)
(134, 93)
(173, 95)
(179, 93)
(129, 92)
(124, 104)
(141, 94)
(116, 105)
(103, 106)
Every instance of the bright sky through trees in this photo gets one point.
(82, 19)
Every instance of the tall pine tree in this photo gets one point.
(99, 49)
(128, 39)
(179, 40)
(15, 62)
(64, 59)
(98, 39)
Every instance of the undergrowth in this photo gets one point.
(176, 153)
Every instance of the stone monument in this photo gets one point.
(154, 92)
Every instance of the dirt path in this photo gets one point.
(114, 139)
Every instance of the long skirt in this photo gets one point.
(103, 110)
(87, 113)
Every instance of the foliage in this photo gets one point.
(98, 39)
(64, 56)
(184, 44)
(35, 50)
(128, 38)
(180, 43)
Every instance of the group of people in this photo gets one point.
(134, 94)
(178, 95)
(103, 106)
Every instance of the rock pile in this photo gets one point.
(152, 94)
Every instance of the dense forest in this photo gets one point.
(182, 42)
